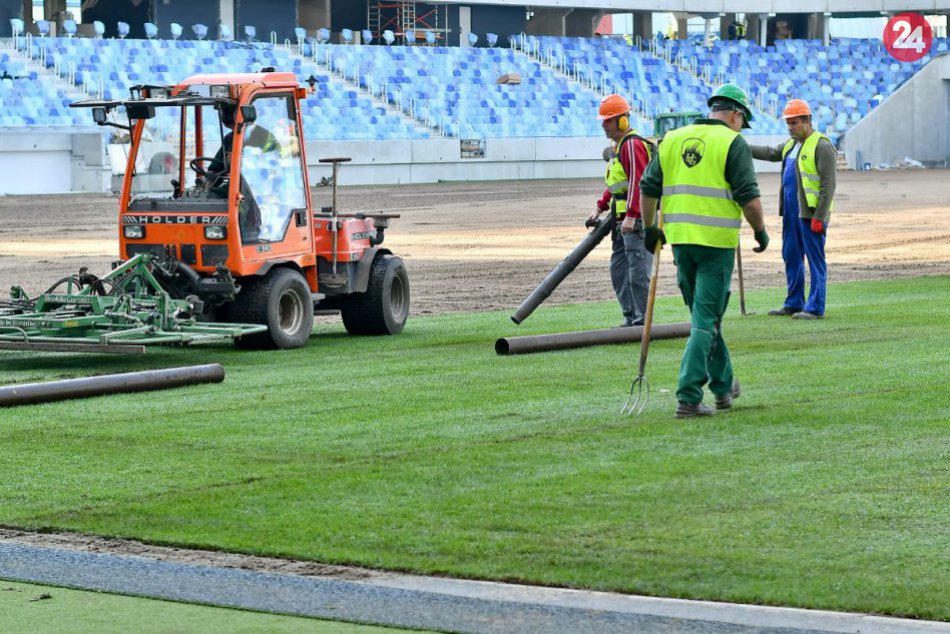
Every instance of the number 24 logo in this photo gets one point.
(910, 39)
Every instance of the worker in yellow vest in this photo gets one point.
(806, 199)
(705, 176)
(630, 262)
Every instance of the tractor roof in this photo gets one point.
(270, 79)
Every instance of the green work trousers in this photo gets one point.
(703, 275)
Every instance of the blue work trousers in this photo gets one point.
(799, 243)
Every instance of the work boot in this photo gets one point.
(725, 401)
(806, 315)
(627, 323)
(782, 312)
(689, 410)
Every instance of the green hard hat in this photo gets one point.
(735, 94)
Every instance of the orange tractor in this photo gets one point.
(216, 195)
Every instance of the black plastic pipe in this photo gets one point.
(562, 270)
(584, 338)
(28, 393)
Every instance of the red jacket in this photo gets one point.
(634, 153)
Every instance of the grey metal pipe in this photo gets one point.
(562, 270)
(12, 395)
(584, 338)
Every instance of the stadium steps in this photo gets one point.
(49, 77)
(339, 78)
(579, 83)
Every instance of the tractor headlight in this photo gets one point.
(134, 232)
(220, 92)
(216, 232)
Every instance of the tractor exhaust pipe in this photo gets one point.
(562, 270)
(584, 338)
(12, 395)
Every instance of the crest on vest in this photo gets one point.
(693, 150)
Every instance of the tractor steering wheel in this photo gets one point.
(195, 165)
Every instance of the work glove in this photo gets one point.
(817, 226)
(651, 236)
(762, 237)
(593, 218)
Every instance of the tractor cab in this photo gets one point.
(667, 121)
(216, 190)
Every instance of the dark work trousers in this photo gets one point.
(703, 274)
(799, 243)
(630, 265)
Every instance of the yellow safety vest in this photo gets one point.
(616, 178)
(808, 168)
(697, 199)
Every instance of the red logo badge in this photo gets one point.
(908, 37)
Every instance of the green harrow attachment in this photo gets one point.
(120, 313)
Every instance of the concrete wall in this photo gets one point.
(913, 122)
(57, 162)
(46, 163)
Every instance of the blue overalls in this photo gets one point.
(799, 242)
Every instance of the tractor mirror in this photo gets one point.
(249, 113)
(139, 111)
(99, 115)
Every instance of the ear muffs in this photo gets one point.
(623, 123)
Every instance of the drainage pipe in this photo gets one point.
(584, 338)
(28, 393)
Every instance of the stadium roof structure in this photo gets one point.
(883, 7)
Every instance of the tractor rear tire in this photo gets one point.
(281, 301)
(384, 308)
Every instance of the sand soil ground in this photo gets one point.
(486, 245)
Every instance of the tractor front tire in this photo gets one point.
(281, 301)
(384, 308)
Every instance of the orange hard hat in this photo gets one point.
(613, 106)
(796, 108)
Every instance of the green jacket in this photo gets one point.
(826, 159)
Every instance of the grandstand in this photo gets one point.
(423, 92)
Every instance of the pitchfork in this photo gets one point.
(637, 399)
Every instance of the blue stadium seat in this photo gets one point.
(200, 30)
(122, 29)
(16, 27)
(42, 26)
(367, 36)
(389, 36)
(430, 37)
(224, 33)
(410, 37)
(472, 39)
(175, 29)
(323, 35)
(492, 39)
(99, 29)
(69, 27)
(346, 35)
(250, 32)
(301, 34)
(151, 31)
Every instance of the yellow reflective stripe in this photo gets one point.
(706, 221)
(811, 177)
(694, 190)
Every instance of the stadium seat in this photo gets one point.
(472, 39)
(99, 29)
(323, 35)
(69, 27)
(367, 36)
(492, 39)
(16, 26)
(250, 32)
(122, 29)
(389, 36)
(200, 30)
(175, 29)
(300, 34)
(410, 37)
(430, 37)
(42, 26)
(347, 36)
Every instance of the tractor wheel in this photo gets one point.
(384, 307)
(282, 301)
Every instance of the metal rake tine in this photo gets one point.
(635, 404)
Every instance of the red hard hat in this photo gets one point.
(796, 108)
(613, 106)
